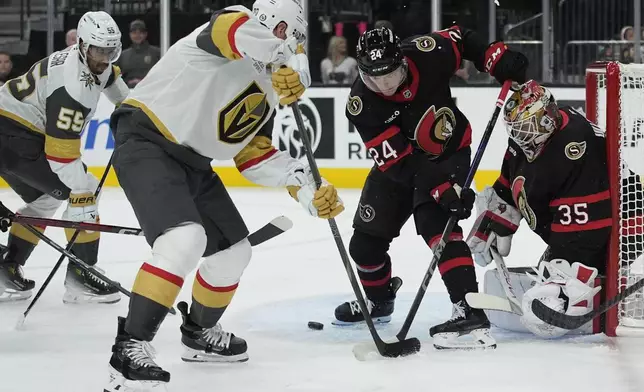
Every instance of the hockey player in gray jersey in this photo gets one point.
(42, 114)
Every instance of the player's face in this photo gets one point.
(98, 59)
(388, 84)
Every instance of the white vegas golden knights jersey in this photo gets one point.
(212, 90)
(55, 98)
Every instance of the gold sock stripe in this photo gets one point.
(157, 285)
(21, 232)
(84, 236)
(210, 296)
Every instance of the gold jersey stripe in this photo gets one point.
(223, 33)
(258, 146)
(153, 117)
(21, 121)
(21, 232)
(62, 149)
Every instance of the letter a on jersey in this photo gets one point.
(243, 115)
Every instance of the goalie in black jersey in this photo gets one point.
(420, 143)
(555, 176)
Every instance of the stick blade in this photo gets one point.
(392, 349)
(552, 317)
(20, 324)
(272, 229)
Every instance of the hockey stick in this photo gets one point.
(438, 252)
(70, 243)
(274, 228)
(565, 321)
(395, 349)
(492, 302)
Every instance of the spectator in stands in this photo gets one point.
(136, 61)
(6, 65)
(338, 68)
(70, 38)
(628, 50)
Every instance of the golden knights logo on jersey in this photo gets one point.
(434, 130)
(243, 115)
(521, 201)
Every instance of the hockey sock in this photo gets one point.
(21, 243)
(457, 269)
(209, 302)
(86, 245)
(153, 294)
(373, 264)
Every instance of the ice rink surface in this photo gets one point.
(292, 279)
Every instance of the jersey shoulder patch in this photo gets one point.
(354, 105)
(424, 43)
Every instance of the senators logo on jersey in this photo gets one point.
(521, 201)
(435, 129)
(243, 115)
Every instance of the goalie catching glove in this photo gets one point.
(562, 287)
(494, 227)
(291, 80)
(323, 203)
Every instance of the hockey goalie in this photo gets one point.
(554, 176)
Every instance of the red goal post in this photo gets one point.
(615, 101)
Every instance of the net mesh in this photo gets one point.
(631, 161)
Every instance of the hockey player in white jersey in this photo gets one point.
(42, 114)
(212, 96)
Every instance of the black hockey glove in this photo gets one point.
(5, 218)
(457, 201)
(505, 64)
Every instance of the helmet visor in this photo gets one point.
(386, 84)
(104, 55)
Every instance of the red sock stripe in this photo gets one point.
(452, 237)
(379, 282)
(455, 263)
(368, 269)
(205, 285)
(165, 275)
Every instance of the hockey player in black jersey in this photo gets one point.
(420, 142)
(555, 176)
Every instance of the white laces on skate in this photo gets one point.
(355, 307)
(141, 353)
(458, 311)
(216, 336)
(94, 278)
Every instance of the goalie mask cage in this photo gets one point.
(615, 101)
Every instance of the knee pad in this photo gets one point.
(366, 249)
(44, 207)
(179, 249)
(225, 268)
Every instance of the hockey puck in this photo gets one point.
(315, 325)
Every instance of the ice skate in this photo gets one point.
(349, 312)
(132, 367)
(467, 329)
(13, 284)
(84, 287)
(209, 344)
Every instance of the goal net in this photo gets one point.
(615, 101)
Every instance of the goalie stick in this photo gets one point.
(565, 321)
(394, 349)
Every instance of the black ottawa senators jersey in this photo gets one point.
(421, 118)
(563, 195)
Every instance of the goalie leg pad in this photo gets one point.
(216, 282)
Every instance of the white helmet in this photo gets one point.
(271, 12)
(98, 30)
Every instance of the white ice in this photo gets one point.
(292, 279)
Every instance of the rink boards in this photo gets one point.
(339, 151)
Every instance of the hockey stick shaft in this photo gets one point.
(451, 222)
(506, 283)
(383, 348)
(45, 222)
(69, 246)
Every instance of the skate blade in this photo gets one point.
(190, 355)
(81, 298)
(376, 320)
(118, 383)
(10, 295)
(478, 339)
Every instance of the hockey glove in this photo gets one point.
(81, 207)
(291, 80)
(457, 201)
(323, 203)
(494, 227)
(5, 218)
(504, 63)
